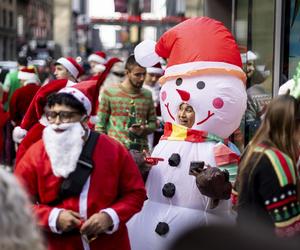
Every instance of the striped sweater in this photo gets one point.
(268, 192)
(118, 109)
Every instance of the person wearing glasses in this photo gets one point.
(91, 215)
(126, 111)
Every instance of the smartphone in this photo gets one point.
(196, 166)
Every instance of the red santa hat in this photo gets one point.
(36, 108)
(28, 74)
(97, 56)
(109, 67)
(155, 69)
(71, 65)
(194, 47)
(84, 92)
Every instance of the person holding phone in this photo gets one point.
(126, 111)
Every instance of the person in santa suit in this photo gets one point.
(68, 68)
(34, 120)
(23, 96)
(93, 217)
(4, 117)
(116, 75)
(67, 71)
(97, 61)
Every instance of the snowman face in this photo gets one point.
(219, 102)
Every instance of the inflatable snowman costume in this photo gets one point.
(204, 70)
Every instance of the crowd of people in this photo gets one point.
(136, 155)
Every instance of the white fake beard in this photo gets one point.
(63, 148)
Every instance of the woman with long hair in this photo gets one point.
(267, 175)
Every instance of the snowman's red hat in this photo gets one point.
(196, 46)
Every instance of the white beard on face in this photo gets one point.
(63, 148)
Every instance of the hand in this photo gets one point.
(96, 224)
(214, 183)
(68, 220)
(137, 129)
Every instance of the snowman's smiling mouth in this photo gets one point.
(167, 106)
(209, 114)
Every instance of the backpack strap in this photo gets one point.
(73, 184)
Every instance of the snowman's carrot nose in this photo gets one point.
(185, 96)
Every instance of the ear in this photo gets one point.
(84, 120)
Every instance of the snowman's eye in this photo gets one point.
(200, 85)
(178, 81)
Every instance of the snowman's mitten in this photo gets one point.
(214, 183)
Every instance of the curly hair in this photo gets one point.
(18, 229)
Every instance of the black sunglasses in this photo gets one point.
(64, 116)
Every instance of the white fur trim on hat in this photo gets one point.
(36, 82)
(94, 119)
(19, 134)
(79, 96)
(99, 68)
(27, 76)
(69, 66)
(154, 70)
(96, 58)
(145, 54)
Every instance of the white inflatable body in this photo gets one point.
(219, 104)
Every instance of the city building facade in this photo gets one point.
(8, 28)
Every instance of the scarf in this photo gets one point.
(226, 154)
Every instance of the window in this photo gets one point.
(11, 19)
(4, 18)
(255, 38)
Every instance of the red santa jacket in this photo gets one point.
(114, 183)
(34, 134)
(3, 120)
(20, 102)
